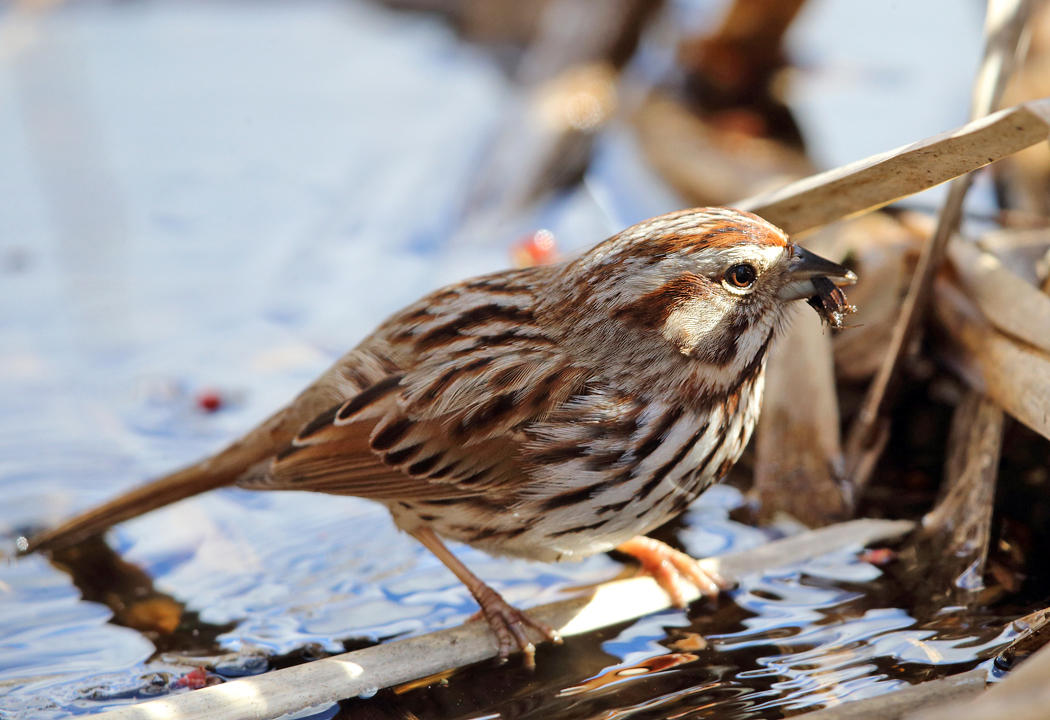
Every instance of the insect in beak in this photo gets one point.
(806, 267)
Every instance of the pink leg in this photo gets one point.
(669, 567)
(507, 622)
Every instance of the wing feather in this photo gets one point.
(381, 446)
(452, 420)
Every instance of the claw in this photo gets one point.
(670, 568)
(510, 626)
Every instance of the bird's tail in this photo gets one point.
(213, 472)
(240, 459)
(223, 468)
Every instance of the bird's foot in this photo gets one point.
(670, 568)
(510, 625)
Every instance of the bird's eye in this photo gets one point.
(740, 276)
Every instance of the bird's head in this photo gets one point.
(715, 283)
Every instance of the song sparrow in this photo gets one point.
(549, 412)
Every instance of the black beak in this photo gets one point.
(804, 267)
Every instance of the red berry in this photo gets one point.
(878, 556)
(209, 400)
(538, 248)
(194, 680)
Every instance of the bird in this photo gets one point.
(549, 412)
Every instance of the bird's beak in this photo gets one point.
(804, 267)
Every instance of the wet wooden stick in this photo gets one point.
(325, 681)
(1034, 631)
(946, 556)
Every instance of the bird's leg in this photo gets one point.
(669, 567)
(507, 622)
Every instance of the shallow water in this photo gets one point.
(198, 197)
(798, 637)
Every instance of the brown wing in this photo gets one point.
(390, 442)
(365, 447)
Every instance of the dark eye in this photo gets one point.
(741, 276)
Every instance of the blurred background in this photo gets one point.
(204, 203)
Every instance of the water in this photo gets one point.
(224, 197)
(788, 640)
(261, 581)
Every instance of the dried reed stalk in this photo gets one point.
(894, 705)
(882, 179)
(1011, 373)
(1009, 302)
(1023, 695)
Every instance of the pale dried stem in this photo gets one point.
(1024, 252)
(895, 705)
(882, 179)
(1023, 695)
(1011, 373)
(1009, 302)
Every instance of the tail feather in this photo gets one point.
(240, 459)
(214, 472)
(221, 469)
